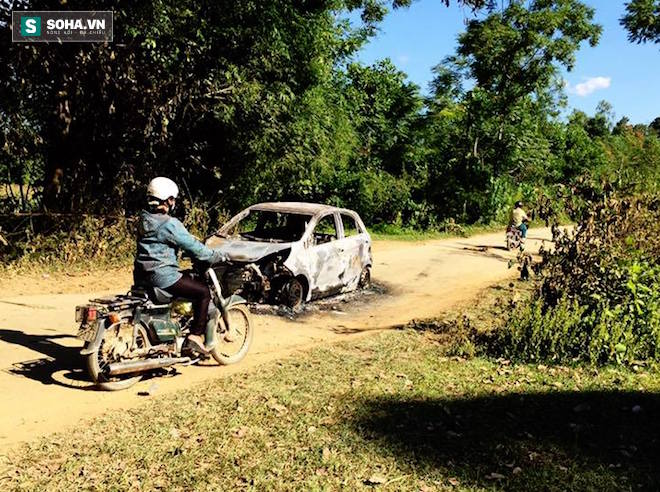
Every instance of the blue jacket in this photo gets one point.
(159, 239)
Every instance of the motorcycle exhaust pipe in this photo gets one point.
(144, 365)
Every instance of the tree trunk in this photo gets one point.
(59, 159)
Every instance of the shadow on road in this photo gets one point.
(608, 440)
(61, 365)
(483, 251)
(346, 330)
(541, 239)
(485, 247)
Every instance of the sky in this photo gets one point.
(626, 75)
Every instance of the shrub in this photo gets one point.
(599, 297)
(534, 333)
(73, 243)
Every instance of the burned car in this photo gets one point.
(291, 252)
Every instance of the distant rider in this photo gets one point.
(160, 237)
(519, 218)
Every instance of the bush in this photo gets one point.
(599, 298)
(533, 333)
(55, 241)
(68, 242)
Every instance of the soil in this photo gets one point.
(45, 388)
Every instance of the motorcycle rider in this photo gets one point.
(160, 236)
(519, 218)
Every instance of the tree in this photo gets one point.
(655, 126)
(512, 57)
(387, 165)
(621, 126)
(642, 20)
(600, 124)
(353, 142)
(211, 92)
(581, 154)
(203, 91)
(385, 109)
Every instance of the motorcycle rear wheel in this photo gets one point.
(232, 349)
(97, 361)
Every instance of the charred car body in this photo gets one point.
(292, 252)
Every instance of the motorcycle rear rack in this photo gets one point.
(117, 303)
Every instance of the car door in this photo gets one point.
(325, 259)
(352, 248)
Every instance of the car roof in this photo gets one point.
(295, 207)
(316, 210)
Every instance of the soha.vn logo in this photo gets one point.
(30, 26)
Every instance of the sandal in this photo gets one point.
(196, 346)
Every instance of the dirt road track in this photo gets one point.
(44, 389)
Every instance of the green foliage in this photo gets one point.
(579, 150)
(379, 196)
(385, 110)
(205, 91)
(633, 160)
(602, 331)
(599, 299)
(502, 128)
(246, 102)
(642, 20)
(536, 334)
(350, 142)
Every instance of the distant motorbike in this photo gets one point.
(128, 335)
(514, 238)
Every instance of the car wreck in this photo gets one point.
(292, 252)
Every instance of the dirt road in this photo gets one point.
(44, 388)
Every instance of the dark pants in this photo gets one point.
(523, 228)
(200, 295)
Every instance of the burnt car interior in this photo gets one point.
(265, 225)
(326, 230)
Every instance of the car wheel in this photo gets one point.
(365, 278)
(293, 293)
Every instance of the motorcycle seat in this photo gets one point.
(160, 296)
(155, 294)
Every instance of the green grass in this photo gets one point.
(391, 232)
(390, 411)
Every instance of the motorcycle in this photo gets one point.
(143, 331)
(514, 239)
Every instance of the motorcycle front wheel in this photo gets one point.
(234, 343)
(117, 340)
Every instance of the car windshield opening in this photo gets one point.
(270, 226)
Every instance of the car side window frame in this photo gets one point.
(353, 216)
(338, 231)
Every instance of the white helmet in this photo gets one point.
(162, 188)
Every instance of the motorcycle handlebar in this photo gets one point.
(203, 266)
